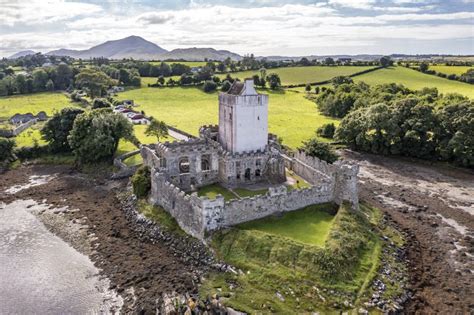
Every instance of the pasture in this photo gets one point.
(291, 116)
(415, 80)
(302, 75)
(187, 63)
(31, 135)
(457, 70)
(48, 102)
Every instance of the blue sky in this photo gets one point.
(265, 27)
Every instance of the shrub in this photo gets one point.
(141, 182)
(322, 151)
(209, 86)
(326, 131)
(100, 103)
(6, 148)
(226, 86)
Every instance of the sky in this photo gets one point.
(261, 27)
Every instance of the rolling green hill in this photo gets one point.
(302, 75)
(415, 80)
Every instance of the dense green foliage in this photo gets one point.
(326, 131)
(96, 134)
(100, 103)
(390, 119)
(274, 81)
(141, 181)
(94, 81)
(57, 129)
(209, 86)
(6, 148)
(321, 150)
(157, 128)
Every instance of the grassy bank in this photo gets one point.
(304, 261)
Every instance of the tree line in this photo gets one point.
(391, 119)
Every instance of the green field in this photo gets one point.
(457, 70)
(415, 80)
(301, 75)
(33, 103)
(291, 116)
(310, 225)
(188, 63)
(27, 138)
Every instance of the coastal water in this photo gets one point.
(42, 274)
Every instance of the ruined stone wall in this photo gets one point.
(186, 209)
(277, 199)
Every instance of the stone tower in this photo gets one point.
(243, 118)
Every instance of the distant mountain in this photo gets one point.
(129, 47)
(199, 54)
(138, 48)
(22, 53)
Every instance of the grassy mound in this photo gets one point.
(285, 269)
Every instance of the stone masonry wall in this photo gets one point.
(186, 209)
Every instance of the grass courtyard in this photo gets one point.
(310, 225)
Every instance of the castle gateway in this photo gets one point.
(237, 153)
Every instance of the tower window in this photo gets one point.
(230, 116)
(258, 117)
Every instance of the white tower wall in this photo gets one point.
(243, 120)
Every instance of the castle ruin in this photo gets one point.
(237, 153)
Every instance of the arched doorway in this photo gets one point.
(247, 174)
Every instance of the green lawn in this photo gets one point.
(291, 116)
(416, 80)
(310, 225)
(33, 103)
(27, 138)
(457, 70)
(212, 191)
(242, 192)
(299, 75)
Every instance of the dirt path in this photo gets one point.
(435, 205)
(138, 270)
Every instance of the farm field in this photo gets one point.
(291, 116)
(301, 75)
(33, 103)
(457, 70)
(415, 80)
(188, 63)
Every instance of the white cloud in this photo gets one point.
(286, 29)
(42, 12)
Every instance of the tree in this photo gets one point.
(329, 61)
(424, 67)
(274, 81)
(209, 86)
(157, 128)
(385, 61)
(165, 69)
(57, 129)
(40, 78)
(94, 81)
(316, 90)
(256, 79)
(50, 85)
(179, 69)
(336, 81)
(21, 84)
(100, 103)
(6, 148)
(96, 134)
(63, 76)
(326, 131)
(308, 88)
(161, 80)
(305, 62)
(141, 181)
(322, 151)
(225, 86)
